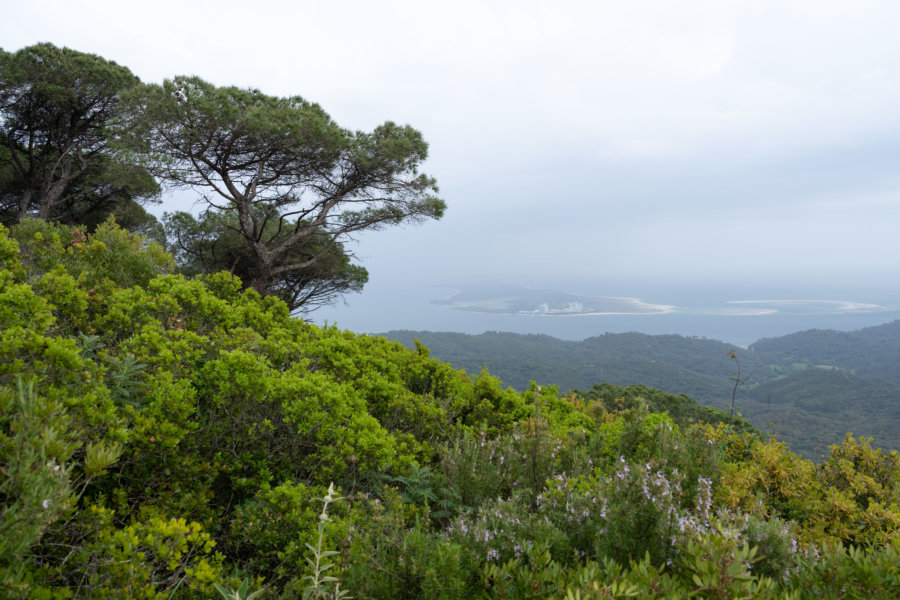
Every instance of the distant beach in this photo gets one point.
(521, 301)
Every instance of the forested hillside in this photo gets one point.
(807, 387)
(810, 408)
(171, 437)
(873, 352)
(697, 367)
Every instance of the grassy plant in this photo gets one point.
(320, 584)
(242, 593)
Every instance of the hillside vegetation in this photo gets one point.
(697, 367)
(809, 388)
(873, 352)
(171, 437)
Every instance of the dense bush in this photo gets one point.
(167, 437)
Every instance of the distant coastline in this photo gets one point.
(640, 308)
(520, 301)
(516, 301)
(739, 316)
(840, 305)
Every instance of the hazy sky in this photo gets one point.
(646, 139)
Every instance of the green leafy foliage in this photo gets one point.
(392, 553)
(169, 437)
(35, 481)
(842, 572)
(152, 558)
(56, 159)
(213, 243)
(241, 593)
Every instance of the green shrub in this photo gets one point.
(392, 553)
(165, 437)
(504, 529)
(847, 573)
(36, 446)
(268, 533)
(149, 559)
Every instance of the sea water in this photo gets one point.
(739, 315)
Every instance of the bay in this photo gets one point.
(739, 315)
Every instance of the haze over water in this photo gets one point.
(733, 314)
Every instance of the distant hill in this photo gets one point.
(873, 352)
(814, 408)
(788, 389)
(697, 367)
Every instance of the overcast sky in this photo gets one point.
(682, 141)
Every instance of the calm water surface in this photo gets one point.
(738, 315)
